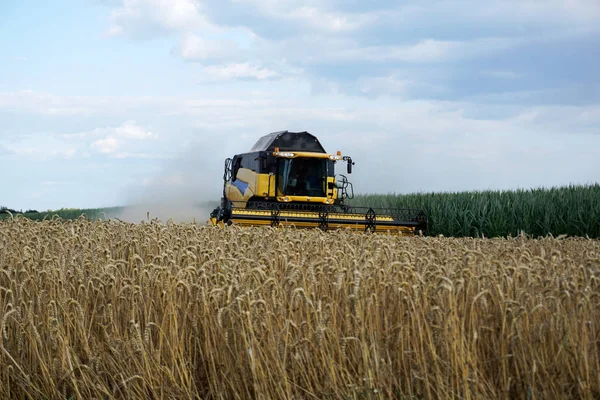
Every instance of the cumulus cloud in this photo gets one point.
(128, 140)
(331, 22)
(130, 130)
(193, 47)
(144, 17)
(345, 42)
(115, 138)
(107, 145)
(274, 18)
(240, 71)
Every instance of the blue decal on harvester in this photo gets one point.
(240, 185)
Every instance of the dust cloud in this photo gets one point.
(185, 189)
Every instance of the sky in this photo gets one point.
(104, 102)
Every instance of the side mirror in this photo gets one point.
(350, 166)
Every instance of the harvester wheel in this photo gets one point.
(371, 219)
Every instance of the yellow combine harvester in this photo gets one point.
(288, 178)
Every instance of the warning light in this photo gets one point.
(339, 153)
(276, 148)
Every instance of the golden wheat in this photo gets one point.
(115, 310)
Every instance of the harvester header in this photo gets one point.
(287, 178)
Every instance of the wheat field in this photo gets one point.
(102, 310)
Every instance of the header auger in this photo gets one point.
(288, 178)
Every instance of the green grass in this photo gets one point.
(571, 210)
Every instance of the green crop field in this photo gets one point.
(571, 210)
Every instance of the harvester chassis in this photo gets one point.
(327, 215)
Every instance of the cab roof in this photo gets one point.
(289, 141)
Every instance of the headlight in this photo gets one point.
(282, 154)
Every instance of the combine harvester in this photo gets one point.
(288, 178)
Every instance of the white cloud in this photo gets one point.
(240, 71)
(130, 130)
(315, 15)
(107, 145)
(128, 140)
(138, 17)
(115, 138)
(314, 27)
(332, 22)
(193, 47)
(311, 49)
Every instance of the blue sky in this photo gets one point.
(103, 102)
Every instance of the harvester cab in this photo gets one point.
(288, 178)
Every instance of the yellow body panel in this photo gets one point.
(263, 186)
(244, 187)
